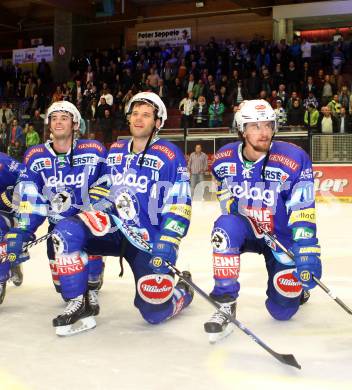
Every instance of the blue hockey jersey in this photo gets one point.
(10, 170)
(56, 185)
(153, 198)
(275, 193)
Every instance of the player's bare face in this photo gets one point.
(258, 136)
(61, 125)
(142, 121)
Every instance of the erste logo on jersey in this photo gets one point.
(85, 159)
(226, 169)
(151, 161)
(275, 174)
(114, 159)
(41, 163)
(286, 284)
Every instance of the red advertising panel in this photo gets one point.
(333, 181)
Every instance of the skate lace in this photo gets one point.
(93, 297)
(218, 317)
(73, 305)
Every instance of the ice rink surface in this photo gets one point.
(123, 352)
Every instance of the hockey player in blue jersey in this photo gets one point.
(263, 185)
(146, 187)
(55, 185)
(10, 169)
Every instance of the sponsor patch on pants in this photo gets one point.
(155, 288)
(286, 284)
(226, 266)
(69, 264)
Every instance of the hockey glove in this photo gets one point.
(99, 199)
(163, 251)
(5, 200)
(16, 239)
(307, 259)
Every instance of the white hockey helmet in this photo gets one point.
(153, 100)
(64, 106)
(254, 111)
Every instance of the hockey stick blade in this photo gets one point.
(316, 280)
(288, 359)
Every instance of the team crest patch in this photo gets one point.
(220, 240)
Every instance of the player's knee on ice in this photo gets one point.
(154, 314)
(279, 312)
(69, 236)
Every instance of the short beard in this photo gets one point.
(261, 149)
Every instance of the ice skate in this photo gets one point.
(304, 297)
(184, 286)
(93, 301)
(17, 275)
(2, 291)
(218, 327)
(76, 318)
(101, 278)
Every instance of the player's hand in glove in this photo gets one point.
(99, 198)
(163, 251)
(16, 239)
(307, 259)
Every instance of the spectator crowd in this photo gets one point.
(202, 86)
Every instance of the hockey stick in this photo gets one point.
(30, 244)
(316, 280)
(283, 358)
(135, 239)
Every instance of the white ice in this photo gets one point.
(123, 352)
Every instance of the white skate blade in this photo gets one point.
(216, 337)
(78, 327)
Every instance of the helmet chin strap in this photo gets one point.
(154, 132)
(266, 159)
